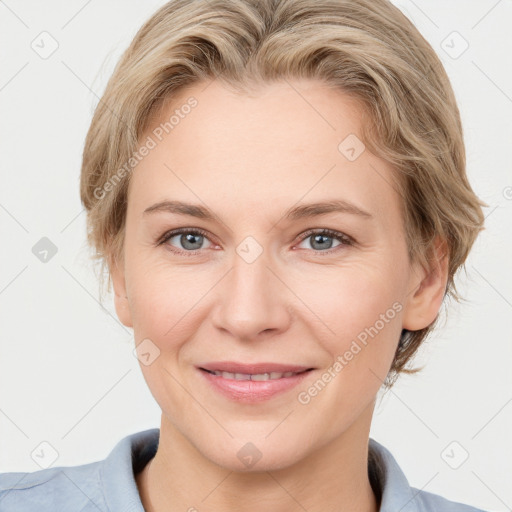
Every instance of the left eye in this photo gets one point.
(323, 240)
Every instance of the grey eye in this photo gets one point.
(188, 241)
(321, 242)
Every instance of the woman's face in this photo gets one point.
(258, 283)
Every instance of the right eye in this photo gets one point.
(188, 240)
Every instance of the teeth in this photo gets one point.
(256, 376)
(260, 376)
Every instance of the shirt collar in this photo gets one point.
(117, 472)
(397, 494)
(133, 452)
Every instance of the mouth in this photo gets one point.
(252, 383)
(254, 376)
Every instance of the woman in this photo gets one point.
(234, 141)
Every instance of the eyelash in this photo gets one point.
(344, 239)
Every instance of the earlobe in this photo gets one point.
(427, 290)
(121, 302)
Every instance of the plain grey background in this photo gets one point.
(68, 376)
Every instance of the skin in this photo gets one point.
(249, 158)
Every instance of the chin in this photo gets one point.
(245, 456)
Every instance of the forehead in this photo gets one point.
(285, 143)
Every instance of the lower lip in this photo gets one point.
(253, 390)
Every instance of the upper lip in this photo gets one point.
(255, 368)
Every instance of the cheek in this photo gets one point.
(164, 300)
(366, 320)
(350, 299)
(357, 316)
(165, 306)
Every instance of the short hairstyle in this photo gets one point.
(367, 49)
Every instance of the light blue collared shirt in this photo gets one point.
(109, 485)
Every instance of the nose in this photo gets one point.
(252, 300)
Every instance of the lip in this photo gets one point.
(234, 367)
(250, 391)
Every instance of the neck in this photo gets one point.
(333, 478)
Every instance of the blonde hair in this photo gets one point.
(368, 49)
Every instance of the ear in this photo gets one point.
(120, 296)
(427, 289)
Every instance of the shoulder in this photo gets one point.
(78, 487)
(101, 486)
(389, 481)
(428, 501)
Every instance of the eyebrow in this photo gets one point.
(295, 213)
